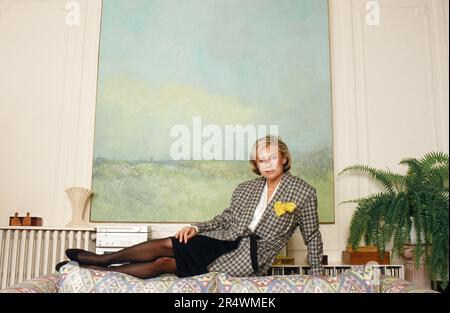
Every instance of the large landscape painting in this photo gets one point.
(165, 64)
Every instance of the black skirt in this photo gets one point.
(192, 258)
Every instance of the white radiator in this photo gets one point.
(27, 252)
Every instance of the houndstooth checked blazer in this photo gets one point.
(275, 231)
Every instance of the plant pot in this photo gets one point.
(416, 275)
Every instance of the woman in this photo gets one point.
(243, 240)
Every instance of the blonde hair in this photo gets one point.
(265, 141)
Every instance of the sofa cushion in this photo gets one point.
(43, 284)
(75, 279)
(395, 285)
(358, 279)
(355, 280)
(273, 284)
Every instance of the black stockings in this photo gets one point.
(147, 259)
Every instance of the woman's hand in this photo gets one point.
(186, 233)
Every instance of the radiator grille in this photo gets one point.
(31, 252)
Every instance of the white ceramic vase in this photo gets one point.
(78, 198)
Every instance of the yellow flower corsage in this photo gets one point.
(283, 207)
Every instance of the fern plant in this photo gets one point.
(417, 200)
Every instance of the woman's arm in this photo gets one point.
(309, 227)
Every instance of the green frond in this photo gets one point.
(414, 168)
(433, 160)
(389, 180)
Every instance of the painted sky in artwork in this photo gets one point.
(254, 62)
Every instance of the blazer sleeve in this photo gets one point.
(309, 228)
(221, 221)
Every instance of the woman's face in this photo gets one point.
(270, 161)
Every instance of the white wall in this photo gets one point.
(390, 100)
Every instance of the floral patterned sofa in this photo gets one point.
(73, 279)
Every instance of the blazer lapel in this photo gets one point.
(253, 202)
(284, 184)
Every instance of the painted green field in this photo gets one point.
(189, 191)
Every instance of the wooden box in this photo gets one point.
(364, 257)
(283, 260)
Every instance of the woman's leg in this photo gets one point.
(142, 270)
(143, 252)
